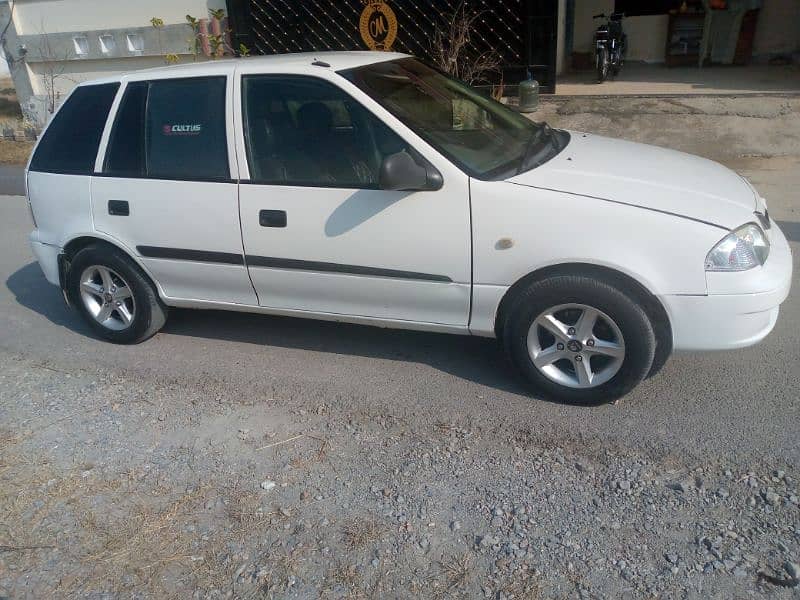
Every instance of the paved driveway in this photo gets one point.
(12, 180)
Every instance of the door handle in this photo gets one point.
(272, 218)
(118, 208)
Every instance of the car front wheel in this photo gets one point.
(579, 340)
(114, 296)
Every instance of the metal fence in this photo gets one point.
(278, 26)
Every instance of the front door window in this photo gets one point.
(305, 131)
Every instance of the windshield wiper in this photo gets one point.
(535, 153)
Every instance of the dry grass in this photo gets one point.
(9, 105)
(274, 577)
(346, 576)
(359, 533)
(46, 509)
(458, 571)
(520, 585)
(15, 153)
(12, 152)
(300, 461)
(244, 508)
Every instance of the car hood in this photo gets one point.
(648, 177)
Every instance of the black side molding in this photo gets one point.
(227, 258)
(326, 267)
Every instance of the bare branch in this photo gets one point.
(53, 67)
(453, 51)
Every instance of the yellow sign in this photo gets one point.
(378, 25)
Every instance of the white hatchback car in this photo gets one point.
(370, 188)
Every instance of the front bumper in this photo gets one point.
(740, 308)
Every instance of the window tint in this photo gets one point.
(483, 137)
(70, 142)
(125, 153)
(171, 128)
(185, 130)
(304, 131)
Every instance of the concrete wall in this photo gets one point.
(68, 74)
(778, 28)
(54, 16)
(647, 37)
(585, 25)
(41, 42)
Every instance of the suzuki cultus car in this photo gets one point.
(367, 187)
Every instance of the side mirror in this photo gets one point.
(400, 172)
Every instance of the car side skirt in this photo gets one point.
(304, 314)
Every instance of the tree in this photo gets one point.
(52, 67)
(453, 52)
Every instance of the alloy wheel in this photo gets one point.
(576, 345)
(107, 297)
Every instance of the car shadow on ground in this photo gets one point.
(33, 291)
(475, 359)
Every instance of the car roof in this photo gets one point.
(273, 62)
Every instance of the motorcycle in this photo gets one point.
(610, 44)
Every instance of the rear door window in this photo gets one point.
(171, 129)
(69, 144)
(125, 154)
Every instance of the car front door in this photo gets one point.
(319, 235)
(165, 189)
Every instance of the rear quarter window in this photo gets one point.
(69, 144)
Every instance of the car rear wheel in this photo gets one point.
(114, 296)
(579, 340)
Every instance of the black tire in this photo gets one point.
(663, 353)
(616, 64)
(629, 316)
(150, 313)
(602, 64)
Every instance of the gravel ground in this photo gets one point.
(122, 487)
(245, 456)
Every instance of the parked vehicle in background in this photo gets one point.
(369, 188)
(610, 45)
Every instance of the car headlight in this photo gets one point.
(742, 249)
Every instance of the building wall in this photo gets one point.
(647, 37)
(42, 44)
(56, 16)
(778, 28)
(777, 32)
(585, 25)
(68, 74)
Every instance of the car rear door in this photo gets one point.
(319, 234)
(164, 188)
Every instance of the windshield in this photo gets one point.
(484, 138)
